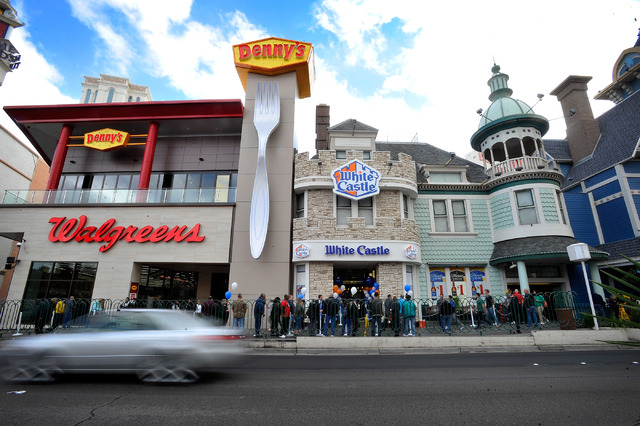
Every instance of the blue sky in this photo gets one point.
(415, 70)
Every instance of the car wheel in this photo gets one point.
(30, 370)
(168, 370)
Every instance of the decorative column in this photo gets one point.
(58, 158)
(149, 153)
(595, 276)
(522, 276)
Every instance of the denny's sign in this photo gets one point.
(273, 56)
(106, 139)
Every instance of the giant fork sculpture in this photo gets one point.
(266, 117)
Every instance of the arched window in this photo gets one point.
(110, 95)
(138, 99)
(88, 96)
(130, 98)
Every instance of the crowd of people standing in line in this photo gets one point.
(287, 315)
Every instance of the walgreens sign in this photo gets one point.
(65, 230)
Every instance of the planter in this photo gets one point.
(566, 319)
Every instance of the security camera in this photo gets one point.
(19, 244)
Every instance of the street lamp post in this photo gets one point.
(579, 252)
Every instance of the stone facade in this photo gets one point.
(398, 179)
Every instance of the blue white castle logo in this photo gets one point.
(355, 180)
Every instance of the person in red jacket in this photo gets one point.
(285, 312)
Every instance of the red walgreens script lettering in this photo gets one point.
(74, 229)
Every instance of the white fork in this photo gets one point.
(266, 117)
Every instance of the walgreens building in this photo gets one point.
(152, 199)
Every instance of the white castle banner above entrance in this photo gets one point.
(355, 180)
(357, 251)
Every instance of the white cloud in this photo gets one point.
(35, 82)
(446, 53)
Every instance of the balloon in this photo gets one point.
(234, 285)
(410, 293)
(339, 291)
(376, 286)
(300, 296)
(303, 290)
(354, 290)
(343, 288)
(335, 287)
(407, 287)
(335, 295)
(227, 295)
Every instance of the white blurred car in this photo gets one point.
(158, 345)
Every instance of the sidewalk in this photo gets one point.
(534, 341)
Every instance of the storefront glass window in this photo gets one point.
(167, 284)
(61, 280)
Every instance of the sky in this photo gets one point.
(415, 70)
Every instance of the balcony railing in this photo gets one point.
(516, 165)
(121, 196)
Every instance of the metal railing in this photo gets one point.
(354, 317)
(120, 196)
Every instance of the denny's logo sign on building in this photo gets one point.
(106, 139)
(273, 56)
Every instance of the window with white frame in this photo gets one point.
(409, 275)
(405, 206)
(526, 207)
(346, 208)
(444, 177)
(299, 205)
(365, 210)
(563, 217)
(450, 216)
(343, 210)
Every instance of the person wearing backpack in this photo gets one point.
(409, 314)
(285, 313)
(446, 310)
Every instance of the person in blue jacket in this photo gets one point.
(258, 313)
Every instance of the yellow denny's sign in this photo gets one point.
(273, 56)
(106, 139)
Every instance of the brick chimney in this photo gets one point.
(583, 130)
(322, 127)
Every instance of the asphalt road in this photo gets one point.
(553, 388)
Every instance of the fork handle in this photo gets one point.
(259, 218)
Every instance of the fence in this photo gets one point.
(562, 310)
